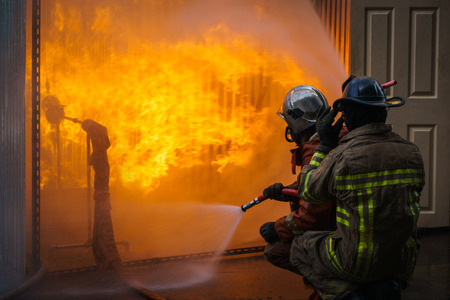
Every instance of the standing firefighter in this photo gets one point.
(375, 178)
(299, 110)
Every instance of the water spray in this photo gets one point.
(259, 199)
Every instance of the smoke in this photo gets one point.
(290, 28)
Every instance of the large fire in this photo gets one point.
(188, 90)
(203, 100)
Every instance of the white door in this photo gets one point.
(409, 40)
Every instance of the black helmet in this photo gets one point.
(366, 91)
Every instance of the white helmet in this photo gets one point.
(299, 109)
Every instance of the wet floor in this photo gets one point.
(246, 276)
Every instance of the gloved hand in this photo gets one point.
(268, 232)
(274, 192)
(329, 133)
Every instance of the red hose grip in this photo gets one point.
(290, 192)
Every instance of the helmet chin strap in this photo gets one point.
(289, 135)
(304, 136)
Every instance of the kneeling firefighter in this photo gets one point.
(299, 110)
(375, 178)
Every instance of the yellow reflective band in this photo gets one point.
(342, 221)
(316, 159)
(318, 155)
(411, 247)
(379, 173)
(332, 256)
(379, 183)
(414, 206)
(365, 233)
(342, 210)
(362, 236)
(417, 207)
(305, 193)
(334, 261)
(370, 241)
(315, 163)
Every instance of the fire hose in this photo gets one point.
(259, 199)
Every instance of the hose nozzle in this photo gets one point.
(252, 203)
(257, 200)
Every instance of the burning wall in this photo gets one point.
(188, 91)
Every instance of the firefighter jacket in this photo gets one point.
(305, 216)
(375, 178)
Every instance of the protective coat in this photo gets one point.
(375, 178)
(306, 216)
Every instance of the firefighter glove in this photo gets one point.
(268, 232)
(329, 133)
(274, 192)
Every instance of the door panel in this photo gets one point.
(410, 41)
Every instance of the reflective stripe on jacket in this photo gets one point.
(375, 178)
(306, 216)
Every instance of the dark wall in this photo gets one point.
(12, 133)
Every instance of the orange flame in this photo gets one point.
(200, 101)
(188, 90)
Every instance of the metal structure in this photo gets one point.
(335, 16)
(174, 258)
(54, 113)
(35, 132)
(12, 136)
(88, 242)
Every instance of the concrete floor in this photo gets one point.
(246, 276)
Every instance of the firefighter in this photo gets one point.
(375, 177)
(299, 110)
